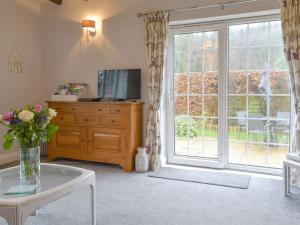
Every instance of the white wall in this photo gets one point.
(20, 26)
(119, 42)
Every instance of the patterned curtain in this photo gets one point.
(290, 22)
(156, 25)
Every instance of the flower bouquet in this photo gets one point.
(30, 126)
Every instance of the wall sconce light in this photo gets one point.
(89, 26)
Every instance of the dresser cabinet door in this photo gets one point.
(71, 140)
(104, 142)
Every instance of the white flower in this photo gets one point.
(52, 113)
(26, 115)
(1, 118)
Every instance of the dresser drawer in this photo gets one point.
(97, 110)
(58, 108)
(88, 120)
(114, 121)
(63, 119)
(119, 109)
(72, 108)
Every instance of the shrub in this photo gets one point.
(185, 127)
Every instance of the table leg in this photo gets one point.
(285, 180)
(9, 214)
(93, 204)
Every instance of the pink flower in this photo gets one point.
(7, 117)
(38, 108)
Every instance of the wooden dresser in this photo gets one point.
(108, 132)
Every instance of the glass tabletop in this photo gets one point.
(51, 176)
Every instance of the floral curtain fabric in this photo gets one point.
(156, 25)
(290, 22)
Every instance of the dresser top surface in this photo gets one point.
(98, 103)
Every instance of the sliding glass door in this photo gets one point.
(195, 90)
(229, 96)
(258, 95)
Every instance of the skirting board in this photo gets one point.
(8, 157)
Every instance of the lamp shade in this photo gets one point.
(88, 24)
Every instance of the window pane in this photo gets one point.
(181, 103)
(275, 33)
(181, 146)
(196, 83)
(257, 129)
(238, 35)
(276, 154)
(195, 104)
(198, 127)
(196, 146)
(254, 82)
(210, 83)
(257, 58)
(237, 83)
(185, 127)
(210, 61)
(195, 61)
(238, 152)
(195, 42)
(211, 106)
(237, 59)
(256, 154)
(210, 40)
(280, 132)
(181, 42)
(181, 84)
(280, 82)
(211, 129)
(258, 34)
(280, 106)
(237, 129)
(277, 59)
(180, 62)
(257, 105)
(237, 106)
(211, 138)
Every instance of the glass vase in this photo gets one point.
(30, 166)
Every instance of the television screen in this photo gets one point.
(119, 84)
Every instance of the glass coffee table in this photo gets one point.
(56, 181)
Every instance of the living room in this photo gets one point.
(149, 112)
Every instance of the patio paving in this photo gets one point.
(239, 152)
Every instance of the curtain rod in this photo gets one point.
(222, 5)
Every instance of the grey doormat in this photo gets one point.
(218, 178)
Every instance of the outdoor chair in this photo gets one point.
(257, 126)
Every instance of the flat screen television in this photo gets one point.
(119, 84)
